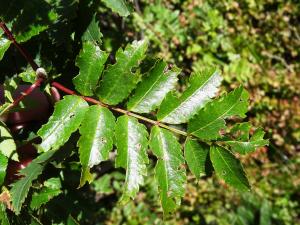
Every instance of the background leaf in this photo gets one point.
(4, 45)
(7, 143)
(118, 6)
(229, 168)
(91, 62)
(203, 86)
(19, 190)
(96, 140)
(66, 118)
(93, 33)
(210, 120)
(169, 173)
(51, 189)
(152, 90)
(118, 79)
(131, 142)
(3, 166)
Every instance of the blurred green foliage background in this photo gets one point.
(256, 43)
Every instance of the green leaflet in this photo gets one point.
(3, 165)
(242, 143)
(7, 143)
(33, 31)
(169, 173)
(203, 87)
(93, 33)
(50, 190)
(132, 143)
(196, 156)
(118, 6)
(28, 75)
(229, 168)
(3, 216)
(4, 45)
(66, 118)
(150, 92)
(96, 141)
(91, 62)
(118, 79)
(210, 120)
(20, 188)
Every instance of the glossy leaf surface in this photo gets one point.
(118, 79)
(229, 168)
(211, 119)
(153, 89)
(203, 87)
(132, 143)
(66, 118)
(91, 62)
(169, 173)
(96, 140)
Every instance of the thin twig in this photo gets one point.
(41, 74)
(22, 50)
(116, 109)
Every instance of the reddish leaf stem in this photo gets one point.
(116, 109)
(22, 50)
(40, 74)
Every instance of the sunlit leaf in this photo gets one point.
(118, 6)
(91, 62)
(169, 173)
(3, 166)
(152, 90)
(7, 143)
(229, 168)
(118, 79)
(211, 119)
(66, 118)
(96, 141)
(93, 33)
(131, 142)
(203, 87)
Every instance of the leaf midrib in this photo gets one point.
(219, 117)
(188, 98)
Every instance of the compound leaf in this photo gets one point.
(150, 92)
(97, 130)
(91, 62)
(210, 120)
(131, 142)
(118, 79)
(229, 168)
(93, 33)
(203, 86)
(196, 155)
(66, 118)
(169, 173)
(118, 6)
